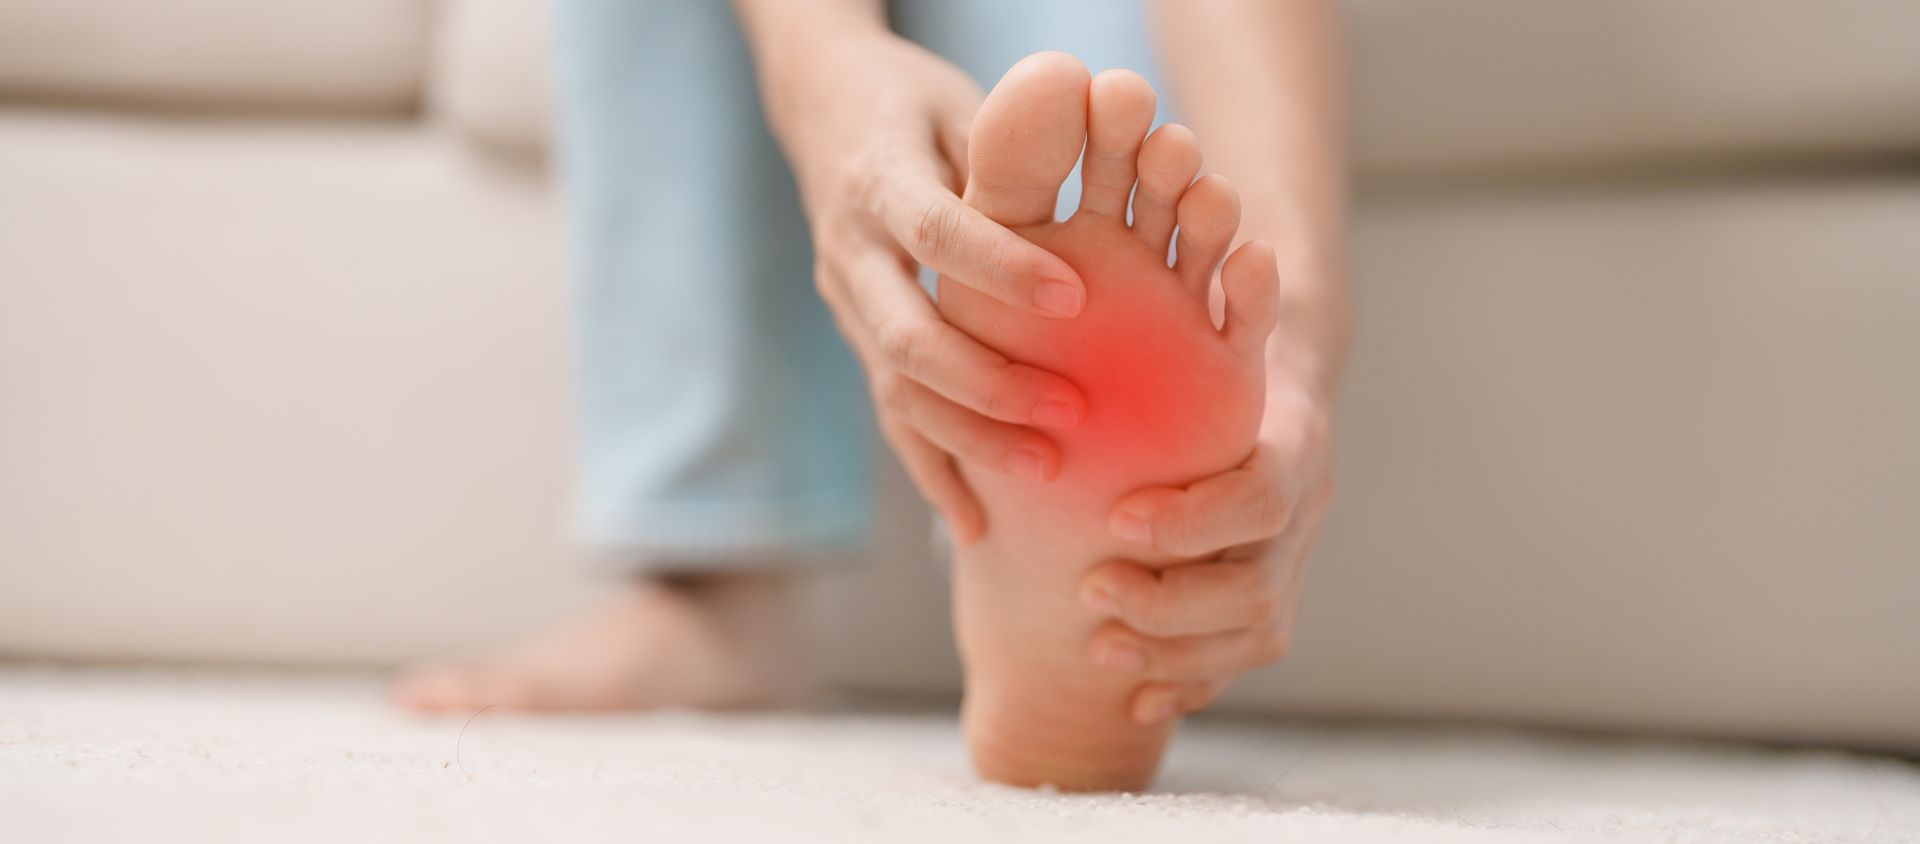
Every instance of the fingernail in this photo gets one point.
(1099, 600)
(1123, 655)
(1054, 413)
(1027, 463)
(1058, 298)
(1131, 526)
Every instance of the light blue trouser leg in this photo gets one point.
(719, 411)
(985, 37)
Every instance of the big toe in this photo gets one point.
(1026, 139)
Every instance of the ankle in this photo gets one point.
(753, 617)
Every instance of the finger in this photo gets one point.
(1235, 507)
(959, 242)
(911, 338)
(1188, 659)
(953, 124)
(1184, 600)
(1156, 702)
(1251, 281)
(970, 437)
(933, 473)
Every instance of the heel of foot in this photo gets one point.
(1081, 754)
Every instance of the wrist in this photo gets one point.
(788, 38)
(1296, 367)
(1309, 345)
(800, 59)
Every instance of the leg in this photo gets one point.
(985, 37)
(722, 423)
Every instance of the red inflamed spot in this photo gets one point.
(1166, 398)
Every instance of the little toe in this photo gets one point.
(1251, 282)
(1026, 138)
(1119, 112)
(1208, 215)
(1168, 161)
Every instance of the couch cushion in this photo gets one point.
(348, 295)
(359, 55)
(492, 77)
(1446, 86)
(1500, 84)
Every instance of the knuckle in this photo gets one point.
(1174, 531)
(1272, 647)
(1005, 396)
(978, 441)
(935, 227)
(995, 263)
(1152, 616)
(1271, 510)
(903, 344)
(1319, 430)
(894, 392)
(1263, 607)
(860, 181)
(1201, 700)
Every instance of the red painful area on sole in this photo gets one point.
(1168, 401)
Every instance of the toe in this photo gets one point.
(1251, 281)
(1119, 111)
(1026, 139)
(437, 689)
(1168, 161)
(1208, 215)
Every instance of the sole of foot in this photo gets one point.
(1171, 362)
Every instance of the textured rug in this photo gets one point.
(161, 755)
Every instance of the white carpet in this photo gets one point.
(156, 755)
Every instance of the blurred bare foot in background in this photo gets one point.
(702, 641)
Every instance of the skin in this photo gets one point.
(1259, 81)
(1172, 396)
(875, 129)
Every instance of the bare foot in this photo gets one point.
(714, 641)
(1171, 397)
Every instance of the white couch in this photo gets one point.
(1629, 439)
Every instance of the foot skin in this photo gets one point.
(1172, 396)
(722, 641)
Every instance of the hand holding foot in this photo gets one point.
(878, 174)
(1196, 626)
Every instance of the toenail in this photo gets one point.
(1100, 600)
(1058, 298)
(1123, 655)
(1131, 526)
(1054, 413)
(1027, 463)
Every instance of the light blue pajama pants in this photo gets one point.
(720, 413)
